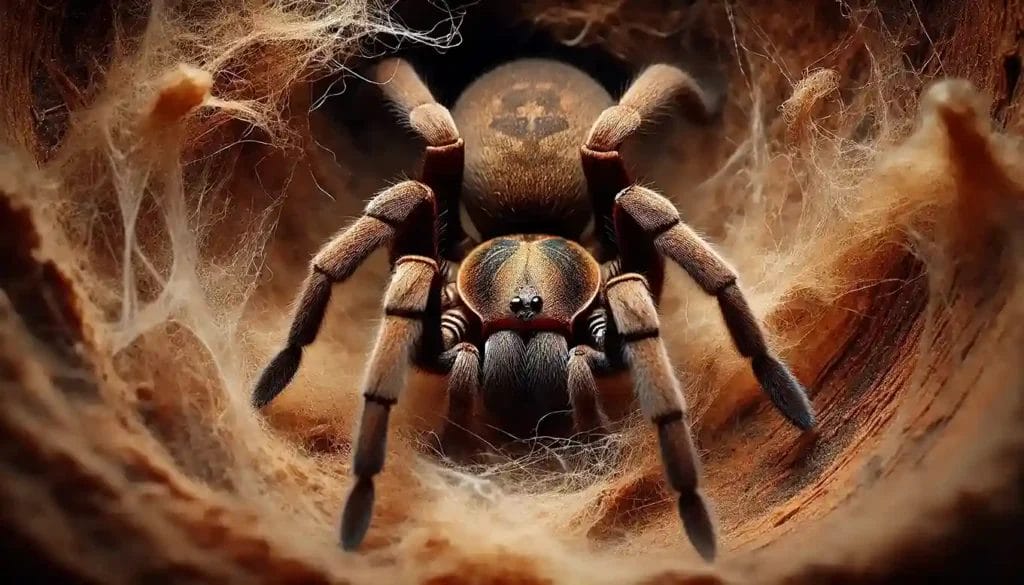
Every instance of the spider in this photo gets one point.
(520, 320)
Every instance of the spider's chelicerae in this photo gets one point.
(520, 322)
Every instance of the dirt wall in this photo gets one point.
(167, 170)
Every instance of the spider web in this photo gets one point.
(195, 182)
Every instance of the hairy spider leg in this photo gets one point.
(637, 228)
(463, 364)
(419, 221)
(402, 216)
(444, 155)
(654, 90)
(660, 222)
(584, 362)
(384, 220)
(661, 400)
(640, 228)
(647, 227)
(407, 304)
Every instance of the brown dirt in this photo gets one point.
(874, 206)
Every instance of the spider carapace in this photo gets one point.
(563, 288)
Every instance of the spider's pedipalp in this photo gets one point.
(587, 415)
(661, 401)
(658, 219)
(463, 362)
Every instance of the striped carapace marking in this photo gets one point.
(559, 271)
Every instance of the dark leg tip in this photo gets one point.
(785, 391)
(276, 376)
(698, 524)
(456, 442)
(355, 520)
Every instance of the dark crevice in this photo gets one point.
(488, 39)
(1011, 66)
(1011, 76)
(492, 34)
(488, 36)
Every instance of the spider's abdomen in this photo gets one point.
(528, 283)
(523, 124)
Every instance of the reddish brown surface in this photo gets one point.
(142, 468)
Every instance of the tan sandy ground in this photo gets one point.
(151, 251)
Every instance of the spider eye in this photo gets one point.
(516, 304)
(536, 303)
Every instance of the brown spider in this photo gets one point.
(532, 172)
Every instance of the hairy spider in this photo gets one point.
(537, 163)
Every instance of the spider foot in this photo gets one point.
(698, 525)
(784, 391)
(276, 376)
(355, 520)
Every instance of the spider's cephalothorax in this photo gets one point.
(527, 291)
(520, 322)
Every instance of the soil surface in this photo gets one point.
(166, 174)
